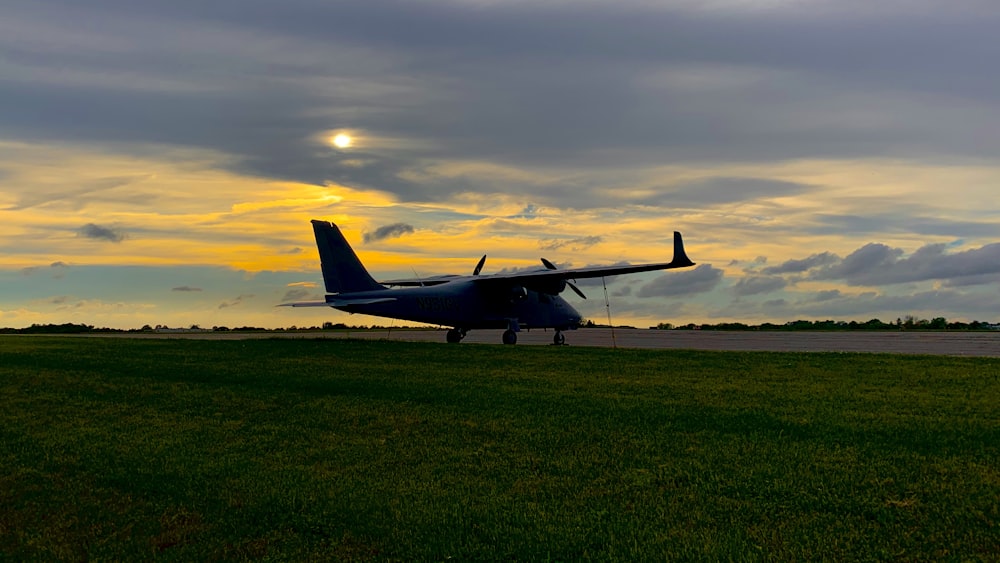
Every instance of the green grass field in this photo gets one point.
(348, 450)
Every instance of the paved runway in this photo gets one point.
(914, 342)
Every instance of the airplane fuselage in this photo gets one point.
(468, 305)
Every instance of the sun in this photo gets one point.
(342, 141)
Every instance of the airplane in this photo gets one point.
(510, 301)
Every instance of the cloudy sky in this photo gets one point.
(825, 159)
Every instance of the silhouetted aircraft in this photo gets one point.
(510, 301)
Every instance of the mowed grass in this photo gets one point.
(185, 450)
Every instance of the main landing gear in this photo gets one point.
(510, 337)
(455, 335)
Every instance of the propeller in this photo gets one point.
(479, 266)
(575, 289)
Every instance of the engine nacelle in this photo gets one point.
(518, 294)
(554, 287)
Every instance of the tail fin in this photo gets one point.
(342, 271)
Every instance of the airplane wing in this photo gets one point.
(680, 260)
(540, 276)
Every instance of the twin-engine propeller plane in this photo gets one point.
(510, 301)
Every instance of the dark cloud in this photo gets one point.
(388, 231)
(965, 287)
(527, 85)
(701, 279)
(799, 266)
(870, 257)
(90, 230)
(753, 285)
(878, 264)
(185, 288)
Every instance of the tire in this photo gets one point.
(509, 337)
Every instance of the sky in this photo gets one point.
(825, 159)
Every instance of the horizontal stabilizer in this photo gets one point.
(305, 304)
(334, 301)
(347, 302)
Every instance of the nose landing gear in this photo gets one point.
(509, 337)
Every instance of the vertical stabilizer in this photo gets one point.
(342, 270)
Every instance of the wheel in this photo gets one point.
(559, 339)
(454, 336)
(509, 337)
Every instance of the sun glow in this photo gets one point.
(342, 141)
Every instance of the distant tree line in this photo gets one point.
(904, 323)
(71, 328)
(65, 328)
